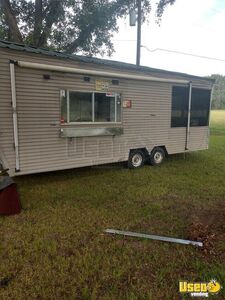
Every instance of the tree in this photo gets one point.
(218, 96)
(68, 25)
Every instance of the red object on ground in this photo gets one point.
(9, 201)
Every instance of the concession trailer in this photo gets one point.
(60, 111)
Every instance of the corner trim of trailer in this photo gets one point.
(38, 66)
(14, 109)
(189, 117)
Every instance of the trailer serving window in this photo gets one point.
(90, 107)
(200, 106)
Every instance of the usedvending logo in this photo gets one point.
(200, 289)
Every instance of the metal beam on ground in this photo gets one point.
(154, 237)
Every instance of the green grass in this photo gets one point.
(217, 122)
(56, 249)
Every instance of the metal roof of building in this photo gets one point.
(88, 59)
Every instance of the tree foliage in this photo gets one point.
(218, 96)
(68, 25)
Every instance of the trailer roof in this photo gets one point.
(88, 59)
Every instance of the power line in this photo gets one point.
(183, 53)
(124, 40)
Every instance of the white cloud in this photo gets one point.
(194, 26)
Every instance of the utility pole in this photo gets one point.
(138, 33)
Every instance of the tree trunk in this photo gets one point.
(14, 32)
(51, 18)
(80, 40)
(38, 18)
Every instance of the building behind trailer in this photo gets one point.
(61, 111)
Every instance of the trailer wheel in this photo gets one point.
(136, 159)
(157, 156)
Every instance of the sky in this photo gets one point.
(193, 26)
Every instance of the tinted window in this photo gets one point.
(104, 108)
(80, 107)
(180, 97)
(200, 105)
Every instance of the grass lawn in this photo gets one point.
(56, 249)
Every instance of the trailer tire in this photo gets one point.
(157, 156)
(136, 159)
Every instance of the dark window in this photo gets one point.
(80, 107)
(104, 108)
(179, 115)
(200, 105)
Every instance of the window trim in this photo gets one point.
(93, 108)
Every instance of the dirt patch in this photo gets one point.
(209, 228)
(202, 233)
(214, 218)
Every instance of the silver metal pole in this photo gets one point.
(138, 33)
(67, 106)
(154, 237)
(115, 119)
(93, 106)
(189, 117)
(14, 107)
(210, 107)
